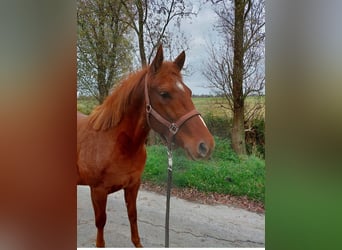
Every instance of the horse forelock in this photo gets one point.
(111, 111)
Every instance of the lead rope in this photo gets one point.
(168, 194)
(173, 129)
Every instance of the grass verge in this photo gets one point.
(224, 173)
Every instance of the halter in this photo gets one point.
(173, 127)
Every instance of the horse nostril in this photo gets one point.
(203, 149)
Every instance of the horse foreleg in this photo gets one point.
(99, 200)
(131, 198)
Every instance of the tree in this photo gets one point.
(234, 68)
(103, 46)
(151, 22)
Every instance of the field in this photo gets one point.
(205, 105)
(224, 173)
(214, 106)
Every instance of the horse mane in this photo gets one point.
(110, 112)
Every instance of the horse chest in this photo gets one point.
(122, 175)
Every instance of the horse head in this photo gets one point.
(170, 110)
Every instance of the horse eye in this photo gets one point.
(164, 94)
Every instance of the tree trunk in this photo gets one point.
(238, 130)
(141, 33)
(101, 69)
(101, 79)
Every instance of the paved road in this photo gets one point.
(191, 224)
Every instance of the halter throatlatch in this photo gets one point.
(173, 127)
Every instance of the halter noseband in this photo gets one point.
(172, 126)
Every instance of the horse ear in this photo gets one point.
(179, 61)
(158, 60)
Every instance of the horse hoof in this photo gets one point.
(100, 244)
(138, 245)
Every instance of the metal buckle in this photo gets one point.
(173, 128)
(148, 108)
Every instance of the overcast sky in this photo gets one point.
(200, 31)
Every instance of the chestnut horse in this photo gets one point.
(111, 150)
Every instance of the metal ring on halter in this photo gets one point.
(173, 128)
(148, 108)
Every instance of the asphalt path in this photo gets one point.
(191, 224)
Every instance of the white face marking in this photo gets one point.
(180, 86)
(203, 121)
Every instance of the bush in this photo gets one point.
(255, 139)
(86, 104)
(218, 125)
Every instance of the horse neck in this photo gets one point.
(123, 112)
(133, 122)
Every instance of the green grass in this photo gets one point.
(225, 173)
